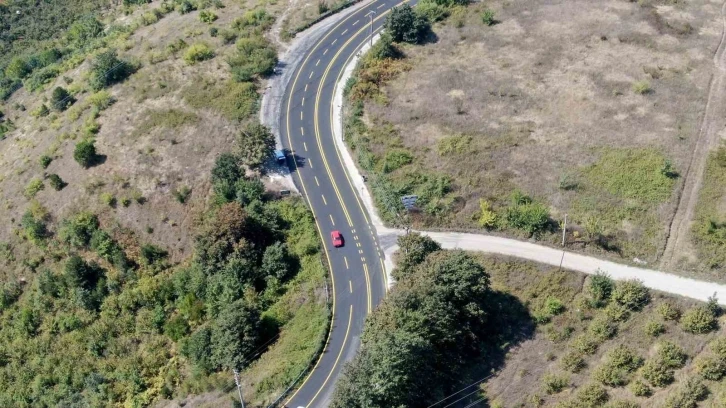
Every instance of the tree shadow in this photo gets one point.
(97, 160)
(510, 324)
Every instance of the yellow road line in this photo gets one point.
(317, 224)
(345, 258)
(345, 339)
(324, 200)
(368, 283)
(331, 219)
(350, 286)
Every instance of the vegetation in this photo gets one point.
(405, 25)
(404, 335)
(709, 228)
(85, 153)
(107, 69)
(255, 145)
(254, 56)
(198, 52)
(60, 99)
(56, 182)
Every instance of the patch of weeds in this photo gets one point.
(56, 182)
(108, 199)
(642, 87)
(234, 100)
(709, 227)
(619, 364)
(554, 384)
(45, 161)
(167, 119)
(454, 145)
(33, 188)
(699, 320)
(654, 328)
(198, 52)
(395, 159)
(487, 17)
(182, 194)
(572, 361)
(668, 311)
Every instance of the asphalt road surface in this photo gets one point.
(306, 129)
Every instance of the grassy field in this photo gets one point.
(588, 109)
(587, 347)
(708, 225)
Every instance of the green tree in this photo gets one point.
(404, 25)
(107, 69)
(60, 99)
(18, 68)
(235, 334)
(255, 56)
(197, 348)
(276, 261)
(631, 294)
(85, 153)
(255, 145)
(600, 288)
(85, 30)
(413, 250)
(249, 190)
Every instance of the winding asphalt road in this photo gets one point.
(306, 130)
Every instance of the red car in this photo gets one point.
(337, 238)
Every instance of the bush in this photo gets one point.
(33, 187)
(631, 294)
(84, 30)
(487, 217)
(206, 16)
(711, 368)
(108, 199)
(432, 11)
(591, 395)
(100, 100)
(641, 87)
(622, 404)
(107, 69)
(40, 111)
(699, 320)
(619, 363)
(487, 17)
(572, 361)
(617, 312)
(182, 194)
(45, 161)
(405, 25)
(395, 159)
(671, 354)
(640, 389)
(687, 395)
(18, 68)
(718, 346)
(185, 6)
(585, 344)
(526, 215)
(600, 288)
(85, 153)
(668, 312)
(553, 384)
(254, 56)
(654, 328)
(56, 182)
(60, 99)
(657, 373)
(198, 52)
(601, 328)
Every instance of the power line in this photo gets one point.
(465, 388)
(475, 402)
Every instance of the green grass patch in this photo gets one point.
(167, 119)
(709, 228)
(234, 100)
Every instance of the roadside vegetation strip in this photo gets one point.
(709, 226)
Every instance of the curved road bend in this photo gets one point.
(306, 131)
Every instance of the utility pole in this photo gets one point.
(564, 230)
(239, 387)
(370, 15)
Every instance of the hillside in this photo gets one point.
(145, 253)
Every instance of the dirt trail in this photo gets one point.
(677, 241)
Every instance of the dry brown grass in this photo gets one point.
(541, 94)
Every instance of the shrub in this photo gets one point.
(33, 187)
(60, 99)
(255, 145)
(711, 368)
(668, 312)
(45, 161)
(687, 395)
(601, 328)
(108, 199)
(405, 25)
(100, 100)
(487, 217)
(671, 354)
(718, 346)
(553, 384)
(125, 201)
(206, 16)
(585, 344)
(699, 320)
(34, 228)
(395, 159)
(640, 388)
(85, 153)
(622, 404)
(617, 312)
(432, 11)
(254, 56)
(631, 294)
(198, 52)
(18, 68)
(56, 182)
(619, 363)
(84, 30)
(654, 328)
(657, 373)
(40, 111)
(641, 87)
(182, 194)
(591, 395)
(572, 361)
(600, 288)
(107, 69)
(487, 17)
(525, 214)
(185, 6)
